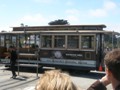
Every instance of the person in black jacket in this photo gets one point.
(112, 69)
(13, 58)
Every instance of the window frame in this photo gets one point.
(94, 41)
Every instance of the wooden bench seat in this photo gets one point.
(27, 56)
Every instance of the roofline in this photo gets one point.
(104, 26)
(65, 31)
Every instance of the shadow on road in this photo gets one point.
(30, 69)
(76, 73)
(91, 74)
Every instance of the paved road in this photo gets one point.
(27, 79)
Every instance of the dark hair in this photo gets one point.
(112, 62)
(11, 47)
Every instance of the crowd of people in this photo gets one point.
(57, 80)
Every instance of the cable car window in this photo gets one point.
(2, 40)
(22, 40)
(87, 42)
(14, 41)
(59, 41)
(73, 41)
(8, 41)
(47, 41)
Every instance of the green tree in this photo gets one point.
(59, 22)
(108, 39)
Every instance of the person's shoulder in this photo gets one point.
(118, 87)
(97, 85)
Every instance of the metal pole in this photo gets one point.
(25, 33)
(18, 67)
(117, 42)
(37, 66)
(25, 37)
(36, 53)
(112, 40)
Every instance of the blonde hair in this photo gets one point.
(55, 80)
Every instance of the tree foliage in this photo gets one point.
(59, 22)
(110, 39)
(3, 31)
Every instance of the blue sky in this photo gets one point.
(77, 12)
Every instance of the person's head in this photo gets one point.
(55, 80)
(112, 62)
(11, 48)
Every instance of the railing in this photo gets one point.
(31, 60)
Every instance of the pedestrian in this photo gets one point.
(55, 80)
(13, 58)
(112, 69)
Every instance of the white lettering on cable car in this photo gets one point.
(87, 63)
(74, 55)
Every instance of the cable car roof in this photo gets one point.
(63, 31)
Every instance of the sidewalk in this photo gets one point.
(25, 81)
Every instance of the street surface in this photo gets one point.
(27, 78)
